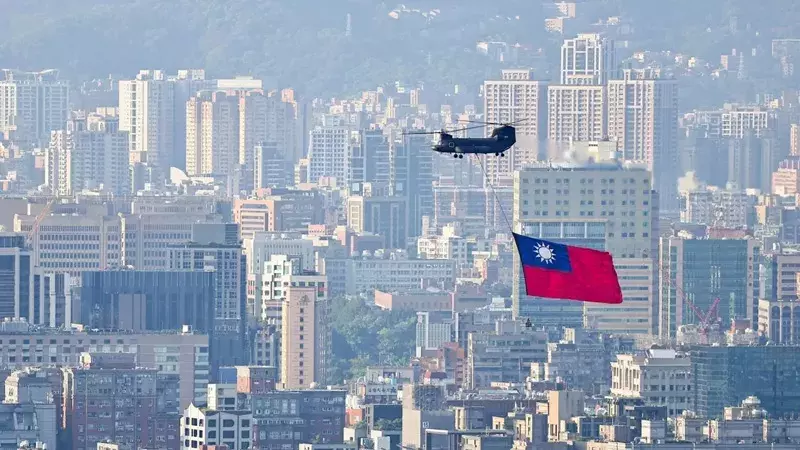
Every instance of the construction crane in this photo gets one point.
(38, 220)
(704, 320)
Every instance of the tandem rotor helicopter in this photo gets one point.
(503, 137)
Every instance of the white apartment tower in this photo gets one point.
(576, 107)
(269, 118)
(643, 119)
(32, 104)
(515, 98)
(576, 113)
(212, 133)
(91, 153)
(587, 59)
(329, 154)
(147, 113)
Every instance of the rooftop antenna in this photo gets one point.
(348, 30)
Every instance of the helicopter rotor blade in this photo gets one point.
(467, 128)
(421, 133)
(441, 131)
(496, 123)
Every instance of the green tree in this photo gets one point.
(364, 335)
(389, 425)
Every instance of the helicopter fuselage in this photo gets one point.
(480, 146)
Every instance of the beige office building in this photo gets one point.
(74, 239)
(516, 97)
(659, 377)
(607, 206)
(305, 335)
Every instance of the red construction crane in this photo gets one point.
(705, 320)
(38, 220)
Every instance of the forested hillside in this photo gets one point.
(302, 43)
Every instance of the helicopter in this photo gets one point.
(503, 137)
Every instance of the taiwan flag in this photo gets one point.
(561, 271)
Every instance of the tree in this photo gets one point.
(389, 424)
(364, 334)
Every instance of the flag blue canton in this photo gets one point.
(543, 254)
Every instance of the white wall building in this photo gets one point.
(209, 427)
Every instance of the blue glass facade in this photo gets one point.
(701, 271)
(144, 300)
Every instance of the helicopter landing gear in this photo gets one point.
(500, 154)
(458, 155)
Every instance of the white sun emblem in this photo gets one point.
(545, 253)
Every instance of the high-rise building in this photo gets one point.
(751, 161)
(603, 206)
(271, 168)
(32, 104)
(369, 160)
(212, 133)
(576, 113)
(411, 177)
(329, 154)
(587, 59)
(305, 335)
(515, 98)
(230, 278)
(187, 83)
(384, 215)
(705, 271)
(268, 118)
(90, 153)
(643, 119)
(147, 113)
(16, 271)
(280, 270)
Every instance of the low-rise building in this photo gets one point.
(660, 377)
(206, 427)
